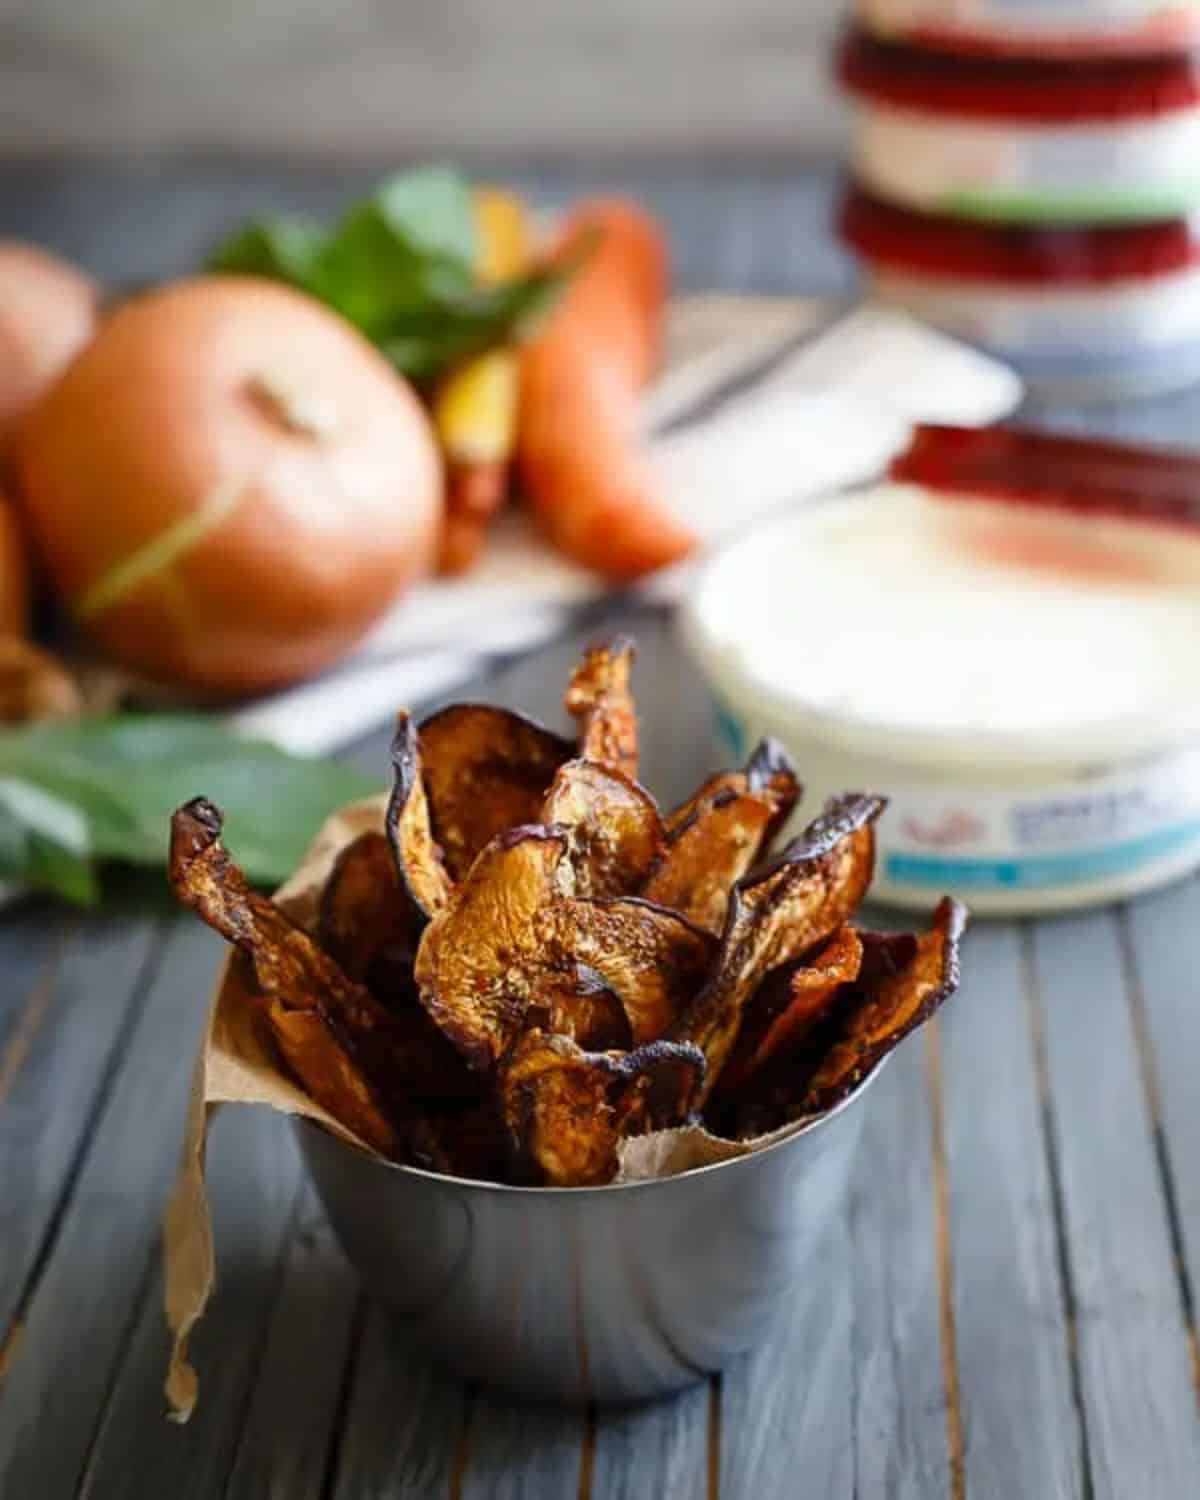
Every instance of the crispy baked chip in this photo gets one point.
(778, 914)
(614, 832)
(789, 1002)
(342, 1048)
(512, 941)
(419, 862)
(367, 920)
(716, 838)
(598, 698)
(486, 770)
(479, 960)
(872, 1017)
(651, 959)
(567, 1110)
(770, 772)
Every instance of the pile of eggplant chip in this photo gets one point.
(533, 961)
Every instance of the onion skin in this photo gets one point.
(14, 574)
(47, 314)
(229, 485)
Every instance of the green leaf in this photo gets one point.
(282, 249)
(439, 335)
(119, 779)
(400, 266)
(410, 245)
(59, 872)
(44, 813)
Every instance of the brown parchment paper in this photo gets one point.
(238, 1064)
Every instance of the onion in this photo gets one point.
(229, 485)
(14, 576)
(47, 313)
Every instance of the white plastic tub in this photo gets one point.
(1081, 313)
(1022, 685)
(1024, 142)
(1041, 28)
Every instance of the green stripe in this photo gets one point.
(161, 552)
(1044, 206)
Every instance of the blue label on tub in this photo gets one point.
(1043, 869)
(730, 729)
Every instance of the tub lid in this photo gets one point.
(892, 623)
(1028, 28)
(1022, 90)
(1036, 255)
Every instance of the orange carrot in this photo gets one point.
(581, 463)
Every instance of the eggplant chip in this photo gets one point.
(722, 833)
(486, 770)
(334, 1035)
(778, 914)
(478, 961)
(367, 921)
(789, 1003)
(599, 699)
(654, 961)
(614, 832)
(567, 1110)
(513, 941)
(418, 859)
(873, 1017)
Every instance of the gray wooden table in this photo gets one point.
(1005, 1308)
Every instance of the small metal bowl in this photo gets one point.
(571, 1295)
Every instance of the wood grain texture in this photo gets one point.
(56, 1071)
(136, 1454)
(1142, 1424)
(78, 1321)
(799, 1383)
(403, 1425)
(1020, 1425)
(899, 1394)
(521, 1452)
(292, 1425)
(1163, 936)
(659, 1450)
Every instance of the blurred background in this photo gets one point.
(371, 76)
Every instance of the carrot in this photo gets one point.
(581, 464)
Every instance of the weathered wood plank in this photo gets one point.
(899, 1393)
(519, 1452)
(1164, 944)
(1142, 1426)
(136, 1454)
(848, 1393)
(660, 1450)
(32, 935)
(787, 1409)
(53, 1073)
(77, 1323)
(292, 1424)
(1020, 1423)
(403, 1426)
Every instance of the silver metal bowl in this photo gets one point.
(608, 1294)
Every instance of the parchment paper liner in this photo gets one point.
(238, 1064)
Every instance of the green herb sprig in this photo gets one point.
(400, 265)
